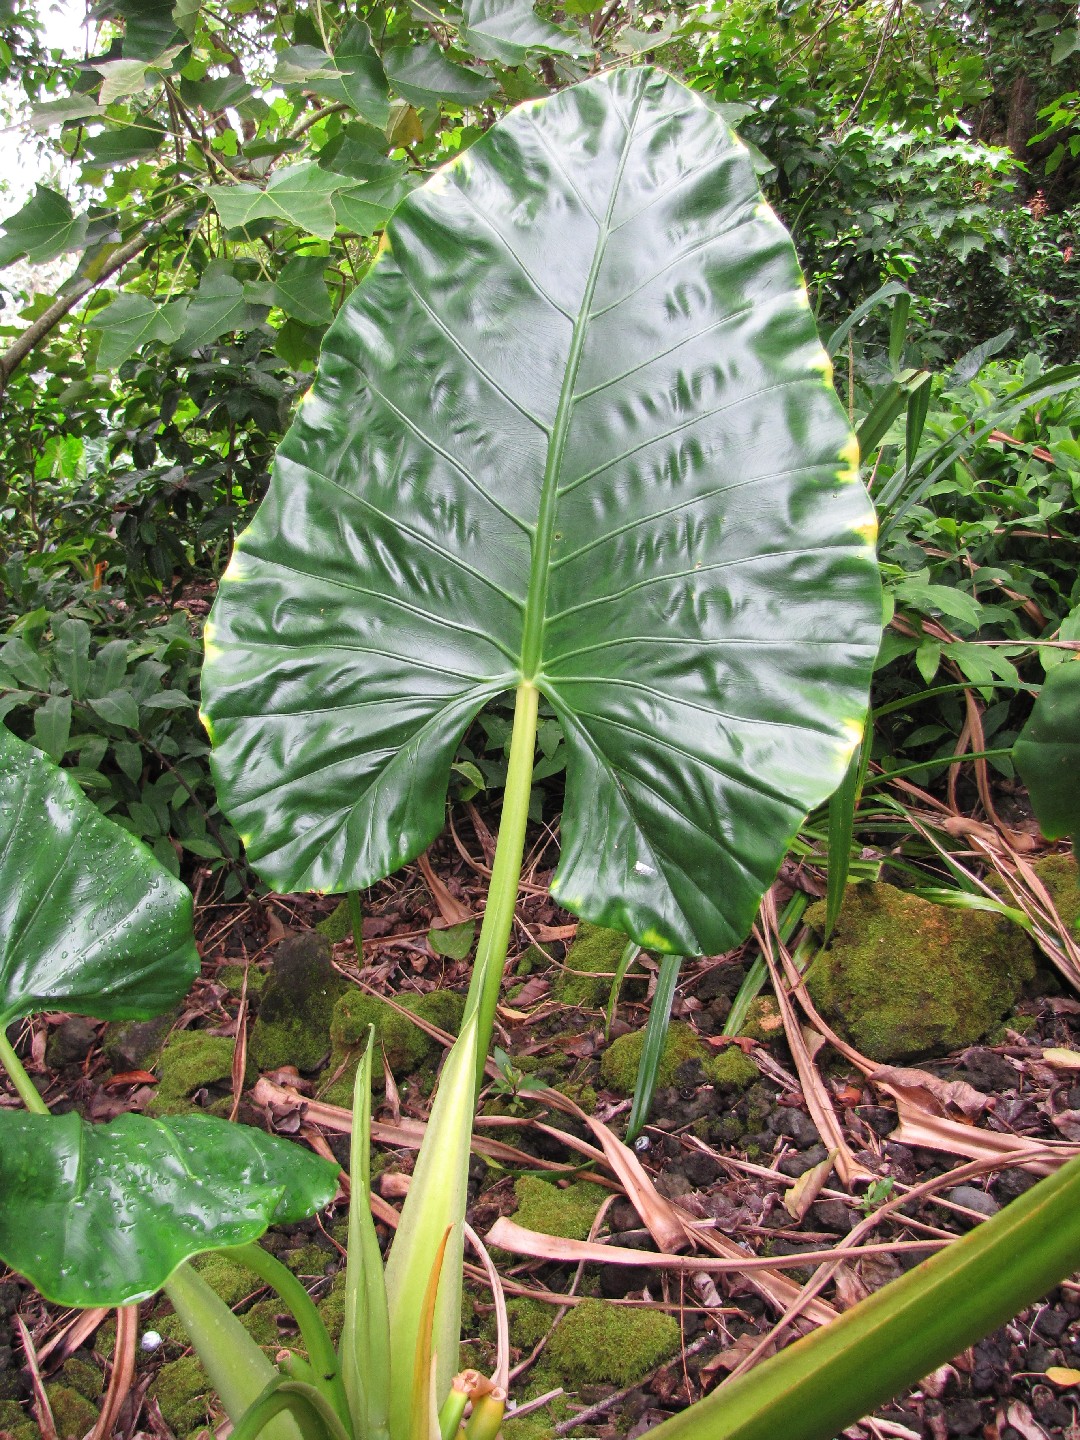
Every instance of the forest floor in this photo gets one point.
(724, 1149)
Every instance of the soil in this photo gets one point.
(724, 1153)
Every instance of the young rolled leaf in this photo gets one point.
(1047, 753)
(89, 921)
(840, 1373)
(103, 1214)
(574, 428)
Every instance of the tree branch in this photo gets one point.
(47, 321)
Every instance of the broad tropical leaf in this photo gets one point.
(103, 1214)
(575, 427)
(89, 921)
(1047, 752)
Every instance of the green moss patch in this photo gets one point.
(406, 1046)
(182, 1390)
(620, 1061)
(732, 1070)
(189, 1061)
(15, 1422)
(73, 1413)
(904, 977)
(601, 1343)
(554, 1210)
(595, 951)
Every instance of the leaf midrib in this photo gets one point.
(532, 639)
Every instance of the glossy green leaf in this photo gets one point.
(424, 76)
(574, 427)
(840, 1373)
(44, 228)
(103, 1214)
(89, 921)
(1047, 753)
(507, 30)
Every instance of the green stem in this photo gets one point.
(288, 1396)
(24, 1086)
(939, 762)
(237, 1368)
(487, 973)
(758, 973)
(321, 1353)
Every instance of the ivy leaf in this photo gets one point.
(299, 194)
(103, 1214)
(301, 292)
(217, 307)
(506, 30)
(44, 228)
(424, 76)
(129, 322)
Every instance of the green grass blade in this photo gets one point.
(842, 1372)
(631, 950)
(436, 1199)
(365, 1339)
(843, 803)
(653, 1050)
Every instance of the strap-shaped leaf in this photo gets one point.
(103, 1214)
(1047, 752)
(89, 921)
(575, 427)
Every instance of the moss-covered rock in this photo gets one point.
(73, 1413)
(529, 1321)
(183, 1393)
(189, 1061)
(1060, 875)
(764, 1022)
(15, 1421)
(620, 1061)
(137, 1044)
(596, 952)
(337, 926)
(297, 1005)
(554, 1210)
(602, 1343)
(232, 977)
(732, 1069)
(904, 977)
(406, 1046)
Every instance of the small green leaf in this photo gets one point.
(120, 144)
(60, 112)
(71, 654)
(119, 708)
(301, 292)
(1065, 44)
(52, 726)
(424, 76)
(44, 228)
(88, 921)
(129, 322)
(103, 1214)
(1047, 753)
(299, 194)
(455, 941)
(367, 208)
(24, 663)
(217, 307)
(121, 78)
(506, 30)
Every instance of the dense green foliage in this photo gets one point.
(215, 180)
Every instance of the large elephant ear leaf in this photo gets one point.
(90, 922)
(574, 428)
(1047, 753)
(103, 1214)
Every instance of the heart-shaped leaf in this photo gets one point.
(89, 921)
(103, 1214)
(574, 428)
